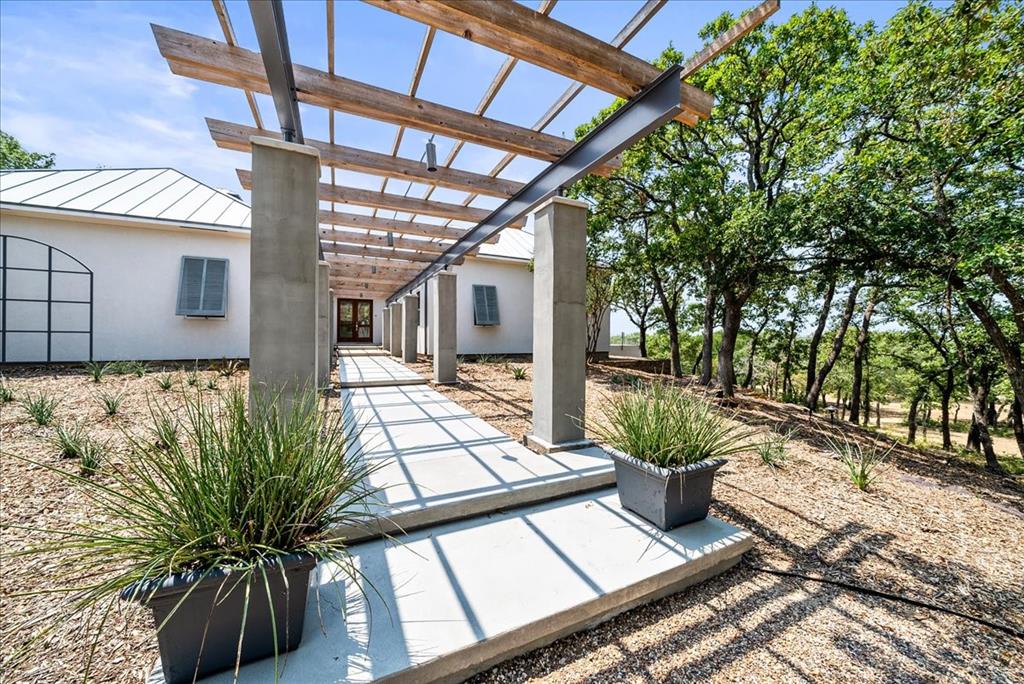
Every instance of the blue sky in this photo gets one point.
(85, 79)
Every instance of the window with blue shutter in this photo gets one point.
(485, 305)
(203, 287)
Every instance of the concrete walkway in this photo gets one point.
(452, 600)
(368, 368)
(442, 463)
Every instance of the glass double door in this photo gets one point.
(355, 320)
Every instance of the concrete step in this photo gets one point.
(443, 463)
(450, 601)
(373, 370)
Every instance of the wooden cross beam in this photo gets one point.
(339, 218)
(530, 36)
(233, 136)
(216, 62)
(384, 200)
(372, 266)
(353, 237)
(377, 252)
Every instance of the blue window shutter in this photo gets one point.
(202, 289)
(485, 305)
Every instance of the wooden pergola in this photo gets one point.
(374, 256)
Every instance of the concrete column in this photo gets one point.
(443, 329)
(323, 341)
(385, 328)
(283, 258)
(410, 327)
(395, 314)
(559, 325)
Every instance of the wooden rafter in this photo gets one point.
(216, 62)
(521, 32)
(384, 200)
(229, 36)
(236, 137)
(353, 283)
(338, 218)
(628, 32)
(367, 266)
(362, 293)
(357, 238)
(375, 252)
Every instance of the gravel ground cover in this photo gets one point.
(935, 529)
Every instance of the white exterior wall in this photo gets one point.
(514, 335)
(135, 289)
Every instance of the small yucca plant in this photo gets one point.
(772, 449)
(240, 490)
(861, 464)
(192, 378)
(90, 458)
(518, 373)
(69, 440)
(211, 384)
(6, 393)
(97, 370)
(165, 428)
(229, 368)
(139, 368)
(664, 425)
(165, 382)
(40, 408)
(111, 402)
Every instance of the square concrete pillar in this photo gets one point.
(283, 257)
(323, 340)
(559, 325)
(385, 328)
(395, 314)
(443, 329)
(410, 326)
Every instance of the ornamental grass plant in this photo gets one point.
(234, 490)
(662, 424)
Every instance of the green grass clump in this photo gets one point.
(192, 377)
(518, 373)
(664, 425)
(211, 384)
(166, 430)
(6, 393)
(488, 358)
(861, 464)
(772, 449)
(229, 368)
(239, 490)
(165, 382)
(69, 440)
(111, 402)
(91, 457)
(97, 370)
(40, 408)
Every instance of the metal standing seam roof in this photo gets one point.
(163, 194)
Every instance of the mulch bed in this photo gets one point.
(930, 528)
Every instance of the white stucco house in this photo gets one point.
(150, 264)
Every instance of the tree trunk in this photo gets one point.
(980, 429)
(749, 379)
(731, 318)
(1017, 420)
(947, 393)
(912, 416)
(837, 347)
(859, 354)
(670, 309)
(708, 333)
(819, 330)
(867, 399)
(643, 339)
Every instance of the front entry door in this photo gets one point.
(355, 320)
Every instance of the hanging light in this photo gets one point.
(431, 156)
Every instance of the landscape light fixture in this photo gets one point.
(431, 156)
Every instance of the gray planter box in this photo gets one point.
(218, 618)
(668, 497)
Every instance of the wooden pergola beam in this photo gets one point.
(530, 36)
(216, 62)
(340, 218)
(349, 293)
(224, 18)
(384, 200)
(353, 237)
(382, 266)
(354, 283)
(234, 136)
(376, 252)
